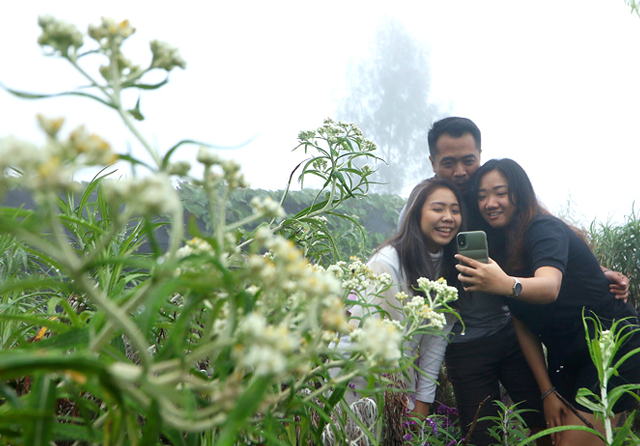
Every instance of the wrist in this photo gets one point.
(516, 287)
(548, 392)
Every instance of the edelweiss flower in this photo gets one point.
(166, 56)
(110, 31)
(267, 207)
(59, 34)
(380, 340)
(152, 195)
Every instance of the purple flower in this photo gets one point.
(453, 443)
(353, 387)
(434, 426)
(408, 436)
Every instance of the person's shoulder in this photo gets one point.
(547, 227)
(386, 254)
(547, 221)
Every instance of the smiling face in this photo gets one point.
(457, 159)
(493, 199)
(440, 219)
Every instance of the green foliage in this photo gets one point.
(509, 427)
(617, 247)
(357, 227)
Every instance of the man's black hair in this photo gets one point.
(454, 127)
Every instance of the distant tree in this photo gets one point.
(389, 100)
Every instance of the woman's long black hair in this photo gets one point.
(410, 243)
(508, 243)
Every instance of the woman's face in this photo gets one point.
(441, 219)
(493, 199)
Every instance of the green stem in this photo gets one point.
(608, 428)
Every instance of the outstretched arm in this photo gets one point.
(554, 410)
(542, 288)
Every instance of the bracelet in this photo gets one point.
(548, 392)
(605, 270)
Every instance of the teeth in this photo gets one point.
(445, 229)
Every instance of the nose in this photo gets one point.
(491, 203)
(459, 171)
(447, 216)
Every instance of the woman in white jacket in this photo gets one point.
(423, 247)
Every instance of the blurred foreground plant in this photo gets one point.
(227, 339)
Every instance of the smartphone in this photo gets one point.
(473, 244)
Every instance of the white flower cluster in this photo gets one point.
(420, 309)
(230, 169)
(425, 309)
(165, 56)
(265, 347)
(21, 155)
(333, 131)
(334, 315)
(92, 149)
(207, 156)
(195, 246)
(222, 321)
(267, 207)
(52, 166)
(179, 168)
(358, 277)
(336, 270)
(110, 32)
(438, 292)
(607, 346)
(152, 195)
(380, 340)
(59, 34)
(306, 135)
(287, 271)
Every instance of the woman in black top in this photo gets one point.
(551, 277)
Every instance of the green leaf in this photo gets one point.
(135, 112)
(65, 341)
(152, 427)
(35, 320)
(26, 95)
(147, 86)
(73, 432)
(134, 161)
(38, 432)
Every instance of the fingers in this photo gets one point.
(620, 293)
(467, 260)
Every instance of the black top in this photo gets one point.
(550, 242)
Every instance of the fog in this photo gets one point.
(551, 84)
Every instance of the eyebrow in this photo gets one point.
(494, 188)
(441, 203)
(452, 158)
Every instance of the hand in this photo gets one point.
(555, 413)
(619, 284)
(487, 277)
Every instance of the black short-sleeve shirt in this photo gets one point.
(551, 242)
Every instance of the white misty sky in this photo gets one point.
(551, 84)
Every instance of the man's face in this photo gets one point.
(457, 159)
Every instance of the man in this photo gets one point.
(488, 352)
